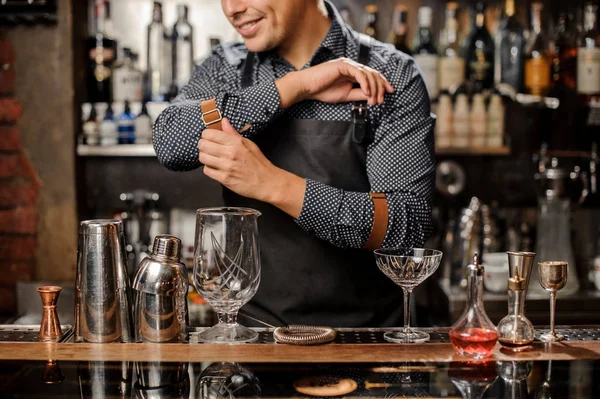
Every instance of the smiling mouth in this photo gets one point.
(248, 25)
(248, 28)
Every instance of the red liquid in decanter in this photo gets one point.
(475, 343)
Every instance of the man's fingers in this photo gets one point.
(213, 173)
(356, 95)
(372, 86)
(210, 160)
(353, 71)
(227, 126)
(212, 148)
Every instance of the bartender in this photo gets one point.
(326, 132)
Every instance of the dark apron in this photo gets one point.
(305, 280)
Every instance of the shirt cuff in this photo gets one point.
(259, 104)
(320, 208)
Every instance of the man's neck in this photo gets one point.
(300, 47)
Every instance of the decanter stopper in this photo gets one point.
(473, 334)
(50, 326)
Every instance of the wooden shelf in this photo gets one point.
(124, 150)
(146, 150)
(473, 151)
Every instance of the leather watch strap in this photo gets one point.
(211, 116)
(380, 222)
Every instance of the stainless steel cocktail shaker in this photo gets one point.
(161, 285)
(103, 293)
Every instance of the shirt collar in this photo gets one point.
(337, 36)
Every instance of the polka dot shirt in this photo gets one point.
(400, 161)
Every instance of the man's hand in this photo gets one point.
(238, 164)
(332, 82)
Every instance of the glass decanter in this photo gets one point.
(473, 334)
(515, 331)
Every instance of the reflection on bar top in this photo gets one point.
(235, 380)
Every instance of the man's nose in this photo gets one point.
(233, 7)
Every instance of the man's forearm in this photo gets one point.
(290, 89)
(287, 192)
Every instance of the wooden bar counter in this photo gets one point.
(356, 364)
(276, 353)
(351, 346)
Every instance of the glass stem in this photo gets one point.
(552, 307)
(407, 292)
(228, 318)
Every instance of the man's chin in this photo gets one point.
(256, 45)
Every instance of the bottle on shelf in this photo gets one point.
(510, 46)
(143, 126)
(564, 54)
(480, 51)
(452, 65)
(91, 130)
(479, 121)
(126, 125)
(183, 48)
(444, 122)
(473, 334)
(127, 79)
(537, 59)
(461, 121)
(371, 11)
(108, 128)
(101, 51)
(158, 78)
(425, 53)
(588, 56)
(399, 32)
(495, 127)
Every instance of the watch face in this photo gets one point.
(27, 11)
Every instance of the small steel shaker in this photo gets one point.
(161, 285)
(103, 293)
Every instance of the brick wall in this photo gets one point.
(19, 188)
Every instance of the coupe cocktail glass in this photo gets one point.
(407, 267)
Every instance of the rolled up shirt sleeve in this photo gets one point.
(179, 127)
(400, 163)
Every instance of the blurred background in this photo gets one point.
(515, 86)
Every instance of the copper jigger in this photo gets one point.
(50, 327)
(52, 373)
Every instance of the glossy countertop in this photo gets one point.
(491, 379)
(359, 363)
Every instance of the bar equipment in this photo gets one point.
(473, 378)
(161, 285)
(515, 331)
(52, 374)
(227, 380)
(515, 375)
(553, 278)
(102, 290)
(50, 325)
(556, 189)
(473, 334)
(227, 268)
(407, 267)
(468, 241)
(162, 380)
(101, 380)
(545, 391)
